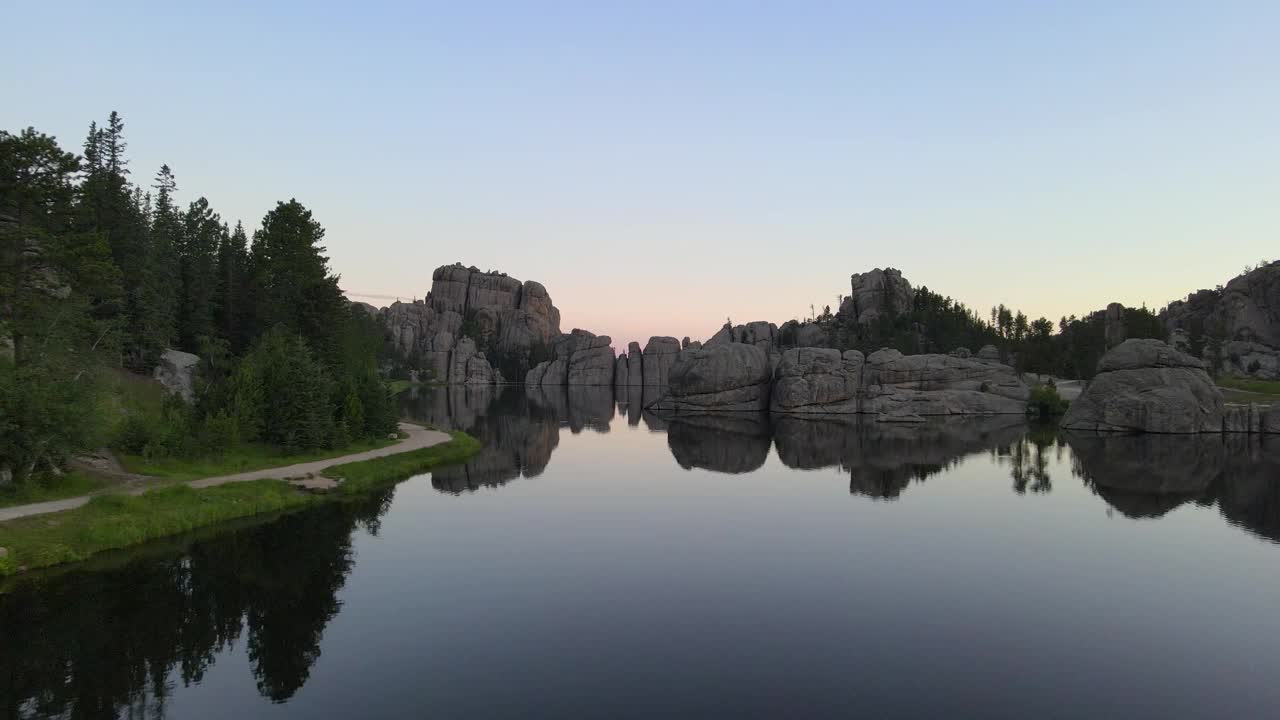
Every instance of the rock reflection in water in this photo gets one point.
(1147, 476)
(727, 443)
(883, 458)
(518, 427)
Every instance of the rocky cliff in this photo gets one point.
(508, 323)
(738, 377)
(581, 358)
(1235, 328)
(877, 293)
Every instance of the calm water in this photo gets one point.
(598, 562)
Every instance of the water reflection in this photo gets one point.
(882, 459)
(109, 642)
(125, 638)
(1147, 476)
(727, 443)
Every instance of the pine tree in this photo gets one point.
(197, 262)
(165, 232)
(233, 287)
(113, 145)
(293, 286)
(108, 208)
(54, 284)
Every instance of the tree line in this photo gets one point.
(938, 324)
(97, 271)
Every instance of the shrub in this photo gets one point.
(1045, 401)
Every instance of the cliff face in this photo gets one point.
(470, 317)
(877, 293)
(1235, 328)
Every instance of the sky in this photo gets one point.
(664, 166)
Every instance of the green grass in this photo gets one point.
(114, 521)
(380, 472)
(242, 458)
(1246, 390)
(123, 394)
(72, 484)
(398, 386)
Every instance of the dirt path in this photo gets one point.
(419, 437)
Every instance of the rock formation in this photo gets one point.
(759, 333)
(727, 376)
(1113, 325)
(659, 355)
(1147, 386)
(176, 372)
(817, 380)
(501, 315)
(1237, 325)
(876, 293)
(635, 365)
(621, 372)
(581, 358)
(719, 377)
(901, 385)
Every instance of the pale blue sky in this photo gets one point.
(663, 165)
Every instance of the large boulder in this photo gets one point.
(590, 358)
(1147, 386)
(581, 358)
(177, 371)
(902, 386)
(817, 380)
(659, 355)
(759, 332)
(722, 377)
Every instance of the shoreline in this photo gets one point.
(116, 521)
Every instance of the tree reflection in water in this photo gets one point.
(115, 637)
(80, 645)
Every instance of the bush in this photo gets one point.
(1045, 401)
(135, 433)
(219, 432)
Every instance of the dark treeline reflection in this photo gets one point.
(104, 643)
(1146, 476)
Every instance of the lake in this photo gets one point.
(597, 561)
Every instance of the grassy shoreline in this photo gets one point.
(115, 521)
(242, 458)
(72, 484)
